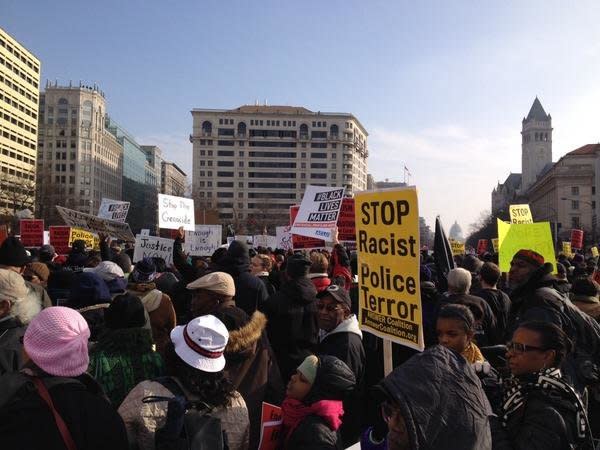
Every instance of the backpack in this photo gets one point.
(189, 425)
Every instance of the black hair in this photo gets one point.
(211, 387)
(458, 312)
(552, 337)
(160, 264)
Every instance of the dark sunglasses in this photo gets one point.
(517, 347)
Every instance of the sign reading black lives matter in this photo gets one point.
(318, 212)
(387, 239)
(95, 224)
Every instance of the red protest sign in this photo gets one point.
(482, 246)
(576, 238)
(3, 233)
(59, 238)
(270, 427)
(32, 232)
(303, 242)
(346, 225)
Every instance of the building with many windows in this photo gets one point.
(174, 180)
(79, 160)
(19, 100)
(253, 162)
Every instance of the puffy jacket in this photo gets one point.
(499, 303)
(442, 401)
(292, 327)
(11, 348)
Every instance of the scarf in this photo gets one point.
(550, 381)
(294, 412)
(472, 354)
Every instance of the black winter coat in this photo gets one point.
(11, 348)
(292, 324)
(314, 434)
(28, 424)
(545, 422)
(499, 303)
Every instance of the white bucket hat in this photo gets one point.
(201, 343)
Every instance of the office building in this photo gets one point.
(253, 162)
(174, 180)
(19, 100)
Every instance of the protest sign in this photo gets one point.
(520, 214)
(32, 232)
(284, 238)
(270, 427)
(530, 236)
(482, 245)
(175, 212)
(91, 240)
(318, 213)
(261, 240)
(577, 239)
(248, 240)
(458, 248)
(3, 233)
(153, 247)
(46, 237)
(303, 242)
(204, 240)
(230, 239)
(387, 232)
(113, 210)
(145, 232)
(59, 239)
(95, 224)
(346, 223)
(495, 245)
(566, 248)
(594, 251)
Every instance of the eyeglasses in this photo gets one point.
(517, 347)
(328, 308)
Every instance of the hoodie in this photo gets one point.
(441, 400)
(292, 324)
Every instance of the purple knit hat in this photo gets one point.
(56, 340)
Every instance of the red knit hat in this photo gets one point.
(531, 257)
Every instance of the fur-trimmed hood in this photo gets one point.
(247, 335)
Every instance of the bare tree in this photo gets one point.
(18, 192)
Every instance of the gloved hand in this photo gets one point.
(482, 367)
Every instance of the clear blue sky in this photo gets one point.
(440, 86)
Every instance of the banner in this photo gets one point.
(482, 246)
(495, 245)
(530, 236)
(387, 232)
(458, 248)
(113, 210)
(270, 427)
(59, 239)
(567, 250)
(32, 232)
(284, 238)
(577, 239)
(153, 247)
(3, 233)
(175, 212)
(303, 242)
(319, 211)
(91, 240)
(203, 241)
(95, 224)
(520, 214)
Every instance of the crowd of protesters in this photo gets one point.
(100, 353)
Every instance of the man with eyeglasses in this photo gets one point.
(340, 336)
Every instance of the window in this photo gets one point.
(225, 163)
(241, 184)
(225, 153)
(224, 174)
(574, 204)
(575, 222)
(574, 190)
(225, 194)
(318, 155)
(318, 165)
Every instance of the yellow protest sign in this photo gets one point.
(566, 248)
(530, 236)
(91, 240)
(495, 245)
(520, 214)
(387, 231)
(458, 248)
(594, 251)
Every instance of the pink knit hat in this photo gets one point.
(56, 340)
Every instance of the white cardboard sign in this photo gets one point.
(95, 224)
(204, 240)
(153, 246)
(113, 210)
(245, 238)
(318, 212)
(284, 238)
(175, 212)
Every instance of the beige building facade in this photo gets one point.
(174, 180)
(79, 160)
(19, 98)
(253, 162)
(566, 195)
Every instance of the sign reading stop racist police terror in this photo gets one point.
(387, 238)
